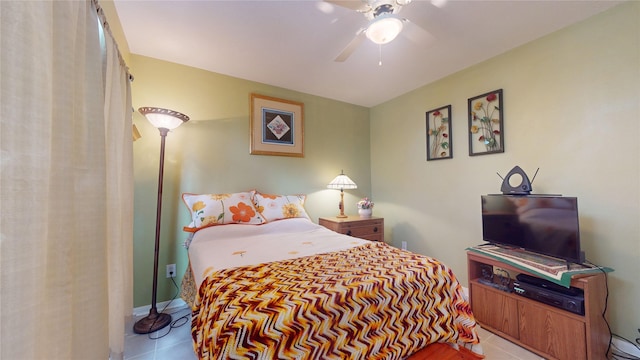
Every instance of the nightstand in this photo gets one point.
(365, 228)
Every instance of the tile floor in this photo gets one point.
(174, 343)
(170, 343)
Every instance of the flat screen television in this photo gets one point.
(544, 224)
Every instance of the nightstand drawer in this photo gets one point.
(359, 229)
(364, 228)
(372, 237)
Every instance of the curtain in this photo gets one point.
(119, 146)
(65, 185)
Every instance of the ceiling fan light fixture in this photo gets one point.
(402, 2)
(384, 29)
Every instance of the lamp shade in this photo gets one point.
(342, 182)
(163, 118)
(384, 29)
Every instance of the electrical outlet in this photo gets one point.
(404, 245)
(171, 270)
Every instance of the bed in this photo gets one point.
(291, 289)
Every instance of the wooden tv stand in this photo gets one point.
(546, 330)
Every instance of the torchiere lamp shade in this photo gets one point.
(163, 118)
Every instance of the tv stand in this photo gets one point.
(551, 332)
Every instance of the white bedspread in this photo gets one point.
(227, 246)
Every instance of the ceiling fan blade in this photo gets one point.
(357, 5)
(416, 33)
(353, 45)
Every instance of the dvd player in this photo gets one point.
(569, 299)
(571, 291)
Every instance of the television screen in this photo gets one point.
(543, 224)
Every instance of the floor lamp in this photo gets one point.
(342, 182)
(165, 121)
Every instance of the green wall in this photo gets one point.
(210, 154)
(571, 108)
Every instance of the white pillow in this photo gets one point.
(218, 209)
(276, 207)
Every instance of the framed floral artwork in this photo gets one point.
(439, 137)
(277, 126)
(486, 135)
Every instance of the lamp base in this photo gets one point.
(151, 323)
(341, 216)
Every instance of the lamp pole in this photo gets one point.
(342, 215)
(156, 321)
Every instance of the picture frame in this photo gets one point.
(486, 123)
(276, 126)
(439, 134)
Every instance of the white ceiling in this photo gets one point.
(293, 44)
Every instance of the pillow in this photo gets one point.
(218, 209)
(276, 207)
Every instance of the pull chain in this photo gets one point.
(380, 54)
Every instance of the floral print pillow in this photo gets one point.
(218, 209)
(276, 207)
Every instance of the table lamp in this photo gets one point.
(342, 182)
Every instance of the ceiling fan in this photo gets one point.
(384, 23)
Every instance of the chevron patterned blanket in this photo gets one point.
(368, 302)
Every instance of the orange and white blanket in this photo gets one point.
(370, 301)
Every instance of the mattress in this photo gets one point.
(294, 290)
(221, 247)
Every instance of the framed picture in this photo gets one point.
(439, 137)
(277, 126)
(486, 135)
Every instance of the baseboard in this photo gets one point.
(173, 305)
(630, 349)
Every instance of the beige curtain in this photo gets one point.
(119, 146)
(65, 185)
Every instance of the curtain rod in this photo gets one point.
(107, 29)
